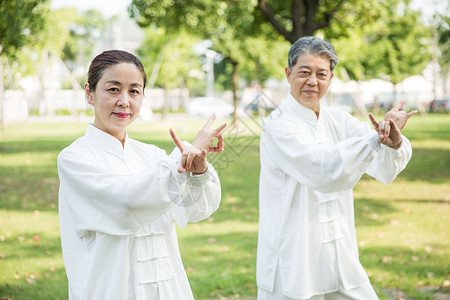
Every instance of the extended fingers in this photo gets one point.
(373, 120)
(219, 147)
(210, 121)
(381, 130)
(219, 129)
(398, 106)
(176, 140)
(411, 113)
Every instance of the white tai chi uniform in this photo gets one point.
(118, 207)
(309, 167)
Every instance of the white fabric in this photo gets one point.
(364, 292)
(118, 207)
(309, 166)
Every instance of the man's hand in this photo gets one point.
(399, 116)
(388, 132)
(389, 129)
(206, 135)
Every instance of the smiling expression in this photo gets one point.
(117, 98)
(309, 79)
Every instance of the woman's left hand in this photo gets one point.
(192, 159)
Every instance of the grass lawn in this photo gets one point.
(403, 228)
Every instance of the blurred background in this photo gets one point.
(227, 57)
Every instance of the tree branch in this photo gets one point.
(329, 15)
(296, 14)
(270, 16)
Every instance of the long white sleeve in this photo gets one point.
(388, 162)
(99, 199)
(205, 189)
(324, 167)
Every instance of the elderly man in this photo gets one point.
(311, 158)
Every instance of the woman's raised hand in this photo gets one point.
(206, 136)
(193, 157)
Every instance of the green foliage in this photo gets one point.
(20, 23)
(84, 30)
(442, 29)
(66, 34)
(402, 228)
(383, 48)
(228, 24)
(173, 53)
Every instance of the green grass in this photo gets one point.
(403, 228)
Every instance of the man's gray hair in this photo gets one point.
(312, 45)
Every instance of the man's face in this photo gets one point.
(309, 79)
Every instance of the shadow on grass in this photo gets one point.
(429, 165)
(29, 187)
(368, 212)
(406, 269)
(222, 266)
(29, 268)
(46, 285)
(42, 144)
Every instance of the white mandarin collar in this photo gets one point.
(105, 141)
(300, 111)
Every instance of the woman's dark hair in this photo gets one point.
(107, 59)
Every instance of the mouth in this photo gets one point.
(121, 115)
(310, 92)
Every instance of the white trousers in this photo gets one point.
(365, 292)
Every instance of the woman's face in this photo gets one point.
(309, 79)
(117, 98)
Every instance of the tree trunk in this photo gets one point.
(234, 79)
(165, 108)
(302, 17)
(2, 92)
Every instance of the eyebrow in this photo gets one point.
(309, 68)
(119, 83)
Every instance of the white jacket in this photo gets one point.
(118, 207)
(309, 167)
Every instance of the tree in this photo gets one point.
(297, 18)
(228, 24)
(441, 35)
(20, 23)
(82, 33)
(374, 39)
(170, 56)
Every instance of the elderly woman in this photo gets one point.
(119, 199)
(312, 156)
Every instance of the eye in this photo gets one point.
(113, 90)
(304, 73)
(135, 91)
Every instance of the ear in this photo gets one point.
(288, 74)
(88, 94)
(332, 74)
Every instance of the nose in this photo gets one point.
(123, 100)
(312, 79)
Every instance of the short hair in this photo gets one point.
(312, 45)
(108, 59)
